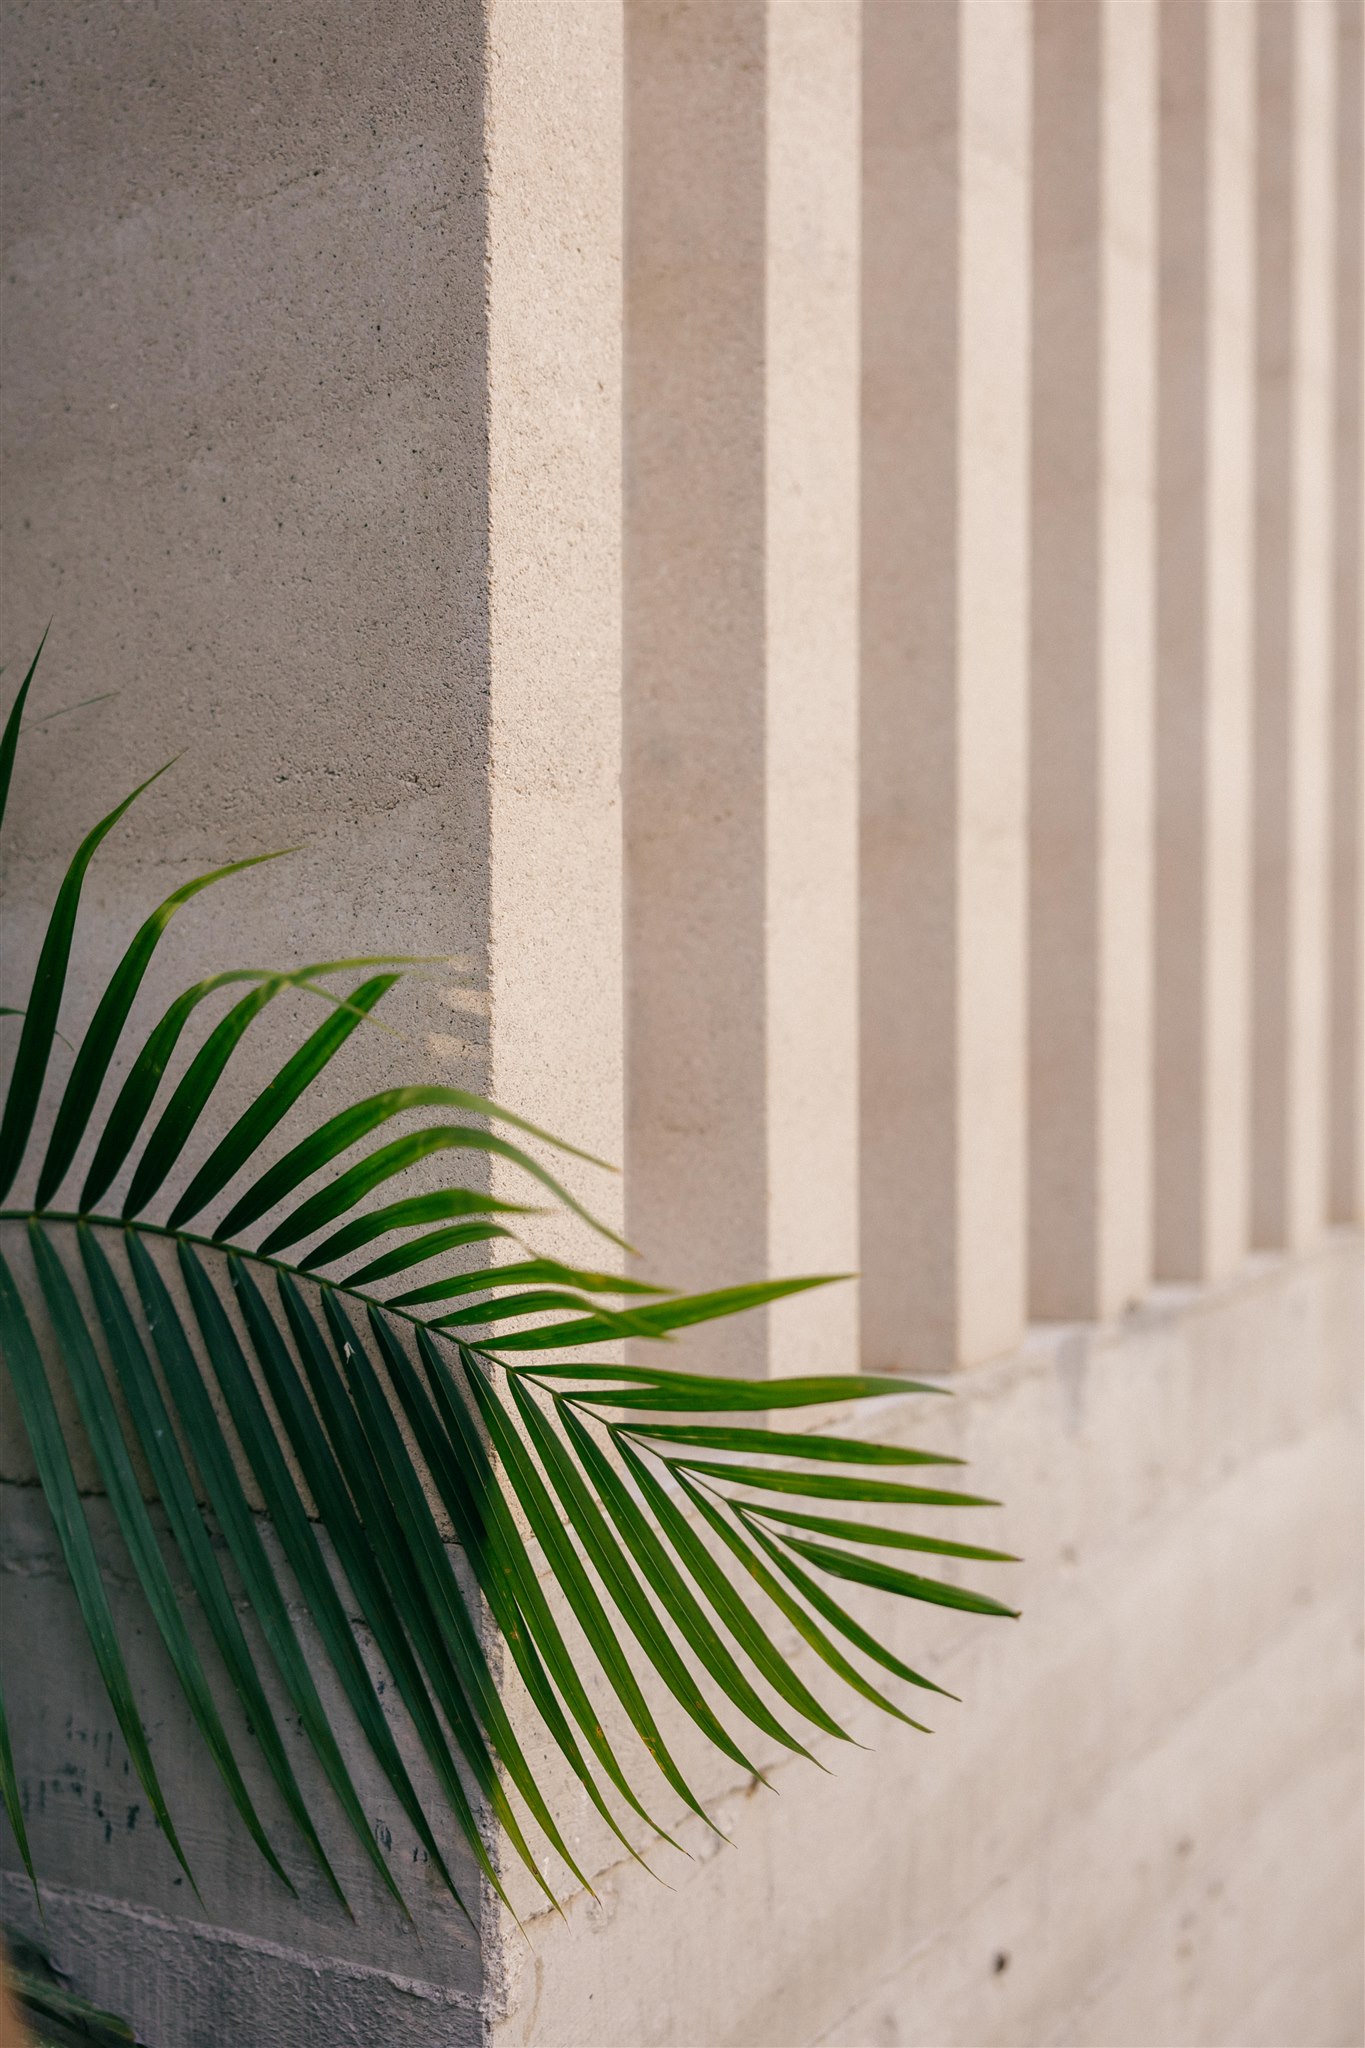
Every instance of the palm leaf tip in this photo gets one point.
(45, 996)
(9, 738)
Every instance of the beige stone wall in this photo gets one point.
(813, 549)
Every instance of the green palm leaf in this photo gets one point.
(799, 1616)
(609, 1561)
(277, 1098)
(653, 1496)
(58, 1481)
(382, 1593)
(159, 1445)
(489, 1725)
(680, 1602)
(9, 739)
(138, 1092)
(408, 1214)
(45, 997)
(525, 1270)
(574, 1581)
(457, 1458)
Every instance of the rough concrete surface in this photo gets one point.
(1143, 1823)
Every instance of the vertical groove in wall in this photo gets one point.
(908, 944)
(1182, 727)
(1272, 734)
(1346, 1097)
(1065, 822)
(694, 713)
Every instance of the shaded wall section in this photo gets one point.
(246, 435)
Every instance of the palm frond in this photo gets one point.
(284, 1363)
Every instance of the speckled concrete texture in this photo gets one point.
(1142, 1824)
(247, 478)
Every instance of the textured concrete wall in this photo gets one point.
(287, 438)
(774, 536)
(1142, 1825)
(246, 475)
(245, 1962)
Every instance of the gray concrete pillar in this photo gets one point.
(1275, 64)
(991, 710)
(1180, 990)
(814, 120)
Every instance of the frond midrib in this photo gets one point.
(122, 1224)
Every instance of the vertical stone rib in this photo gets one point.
(1275, 214)
(992, 639)
(1311, 628)
(812, 673)
(1346, 1097)
(909, 656)
(1180, 1135)
(1204, 597)
(1064, 706)
(1294, 581)
(1231, 601)
(1091, 707)
(1126, 647)
(944, 602)
(554, 97)
(693, 784)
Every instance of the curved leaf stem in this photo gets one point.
(122, 1224)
